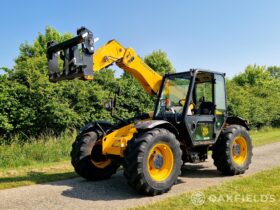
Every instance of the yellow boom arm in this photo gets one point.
(126, 59)
(84, 61)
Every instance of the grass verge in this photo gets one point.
(259, 191)
(36, 174)
(265, 136)
(47, 149)
(42, 160)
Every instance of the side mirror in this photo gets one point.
(109, 104)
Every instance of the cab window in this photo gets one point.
(203, 94)
(220, 93)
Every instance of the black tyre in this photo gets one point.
(152, 161)
(232, 152)
(87, 158)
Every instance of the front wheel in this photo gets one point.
(87, 158)
(232, 152)
(152, 161)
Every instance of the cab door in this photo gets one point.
(220, 102)
(201, 120)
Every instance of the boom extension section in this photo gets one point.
(82, 62)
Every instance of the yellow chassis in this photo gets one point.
(115, 143)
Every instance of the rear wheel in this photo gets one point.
(232, 152)
(87, 158)
(153, 161)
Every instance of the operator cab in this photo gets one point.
(195, 100)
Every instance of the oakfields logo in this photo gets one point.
(198, 198)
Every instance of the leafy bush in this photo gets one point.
(255, 96)
(32, 106)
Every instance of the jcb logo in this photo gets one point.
(204, 131)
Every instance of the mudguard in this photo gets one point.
(150, 124)
(238, 121)
(101, 125)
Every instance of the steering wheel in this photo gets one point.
(191, 106)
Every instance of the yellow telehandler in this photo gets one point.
(190, 118)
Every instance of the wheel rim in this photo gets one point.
(101, 164)
(160, 162)
(239, 150)
(97, 158)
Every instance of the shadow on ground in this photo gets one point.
(117, 188)
(37, 178)
(199, 171)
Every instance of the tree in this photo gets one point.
(252, 75)
(159, 61)
(31, 105)
(133, 99)
(274, 71)
(254, 95)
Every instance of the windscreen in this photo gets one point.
(173, 95)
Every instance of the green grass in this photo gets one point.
(265, 136)
(38, 173)
(259, 191)
(41, 160)
(38, 151)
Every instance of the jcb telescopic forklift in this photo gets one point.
(190, 118)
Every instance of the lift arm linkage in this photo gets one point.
(83, 62)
